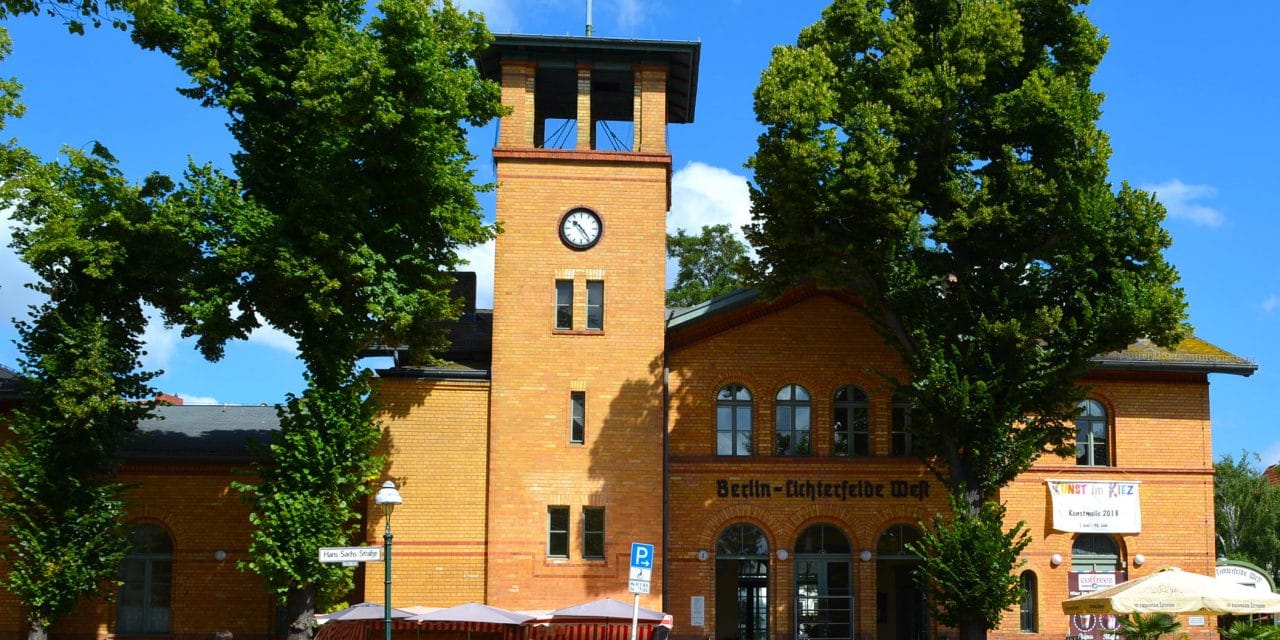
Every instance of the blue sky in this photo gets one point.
(1192, 98)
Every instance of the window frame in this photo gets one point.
(793, 405)
(1028, 612)
(577, 417)
(563, 309)
(555, 535)
(1090, 423)
(853, 436)
(589, 534)
(901, 444)
(595, 287)
(733, 403)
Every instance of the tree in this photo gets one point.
(98, 249)
(1246, 513)
(1138, 626)
(711, 264)
(351, 195)
(941, 160)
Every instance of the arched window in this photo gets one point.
(792, 420)
(893, 542)
(1091, 435)
(901, 427)
(146, 574)
(742, 570)
(1027, 607)
(733, 421)
(1094, 552)
(902, 608)
(851, 432)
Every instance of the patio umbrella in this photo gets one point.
(473, 612)
(605, 609)
(1174, 591)
(366, 611)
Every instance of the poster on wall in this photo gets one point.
(1095, 506)
(1088, 626)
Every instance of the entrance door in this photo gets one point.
(902, 610)
(742, 584)
(824, 585)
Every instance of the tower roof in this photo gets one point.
(680, 58)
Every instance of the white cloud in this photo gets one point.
(704, 195)
(269, 336)
(159, 341)
(14, 297)
(480, 260)
(1271, 303)
(188, 398)
(1181, 199)
(630, 14)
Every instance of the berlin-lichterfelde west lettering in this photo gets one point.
(814, 490)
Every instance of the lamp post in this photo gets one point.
(387, 498)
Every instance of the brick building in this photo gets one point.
(752, 441)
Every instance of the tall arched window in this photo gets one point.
(146, 575)
(851, 432)
(1028, 622)
(792, 419)
(902, 608)
(733, 421)
(742, 583)
(901, 427)
(1091, 435)
(1094, 552)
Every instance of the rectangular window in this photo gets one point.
(558, 532)
(577, 417)
(901, 429)
(593, 532)
(564, 304)
(595, 305)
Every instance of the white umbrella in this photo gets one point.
(1174, 591)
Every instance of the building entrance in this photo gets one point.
(824, 584)
(742, 584)
(902, 610)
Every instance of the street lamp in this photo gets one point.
(388, 498)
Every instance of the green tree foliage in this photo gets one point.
(711, 264)
(1244, 629)
(1138, 626)
(351, 196)
(97, 250)
(958, 556)
(941, 159)
(73, 13)
(1246, 513)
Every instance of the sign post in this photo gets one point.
(639, 576)
(350, 556)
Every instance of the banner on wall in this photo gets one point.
(1095, 506)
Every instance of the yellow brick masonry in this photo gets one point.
(438, 454)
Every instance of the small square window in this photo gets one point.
(577, 417)
(564, 304)
(593, 532)
(558, 532)
(595, 305)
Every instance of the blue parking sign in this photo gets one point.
(641, 555)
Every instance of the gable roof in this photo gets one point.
(1192, 355)
(202, 433)
(10, 384)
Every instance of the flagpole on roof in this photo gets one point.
(588, 18)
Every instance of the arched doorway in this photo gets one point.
(824, 584)
(1095, 564)
(902, 609)
(742, 584)
(146, 582)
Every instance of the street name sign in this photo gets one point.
(350, 556)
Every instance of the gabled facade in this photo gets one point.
(753, 443)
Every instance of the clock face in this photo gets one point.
(580, 228)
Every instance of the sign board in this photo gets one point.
(640, 574)
(1091, 506)
(349, 556)
(1244, 576)
(697, 611)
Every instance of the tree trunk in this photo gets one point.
(300, 604)
(972, 630)
(39, 630)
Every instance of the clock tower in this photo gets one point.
(576, 418)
